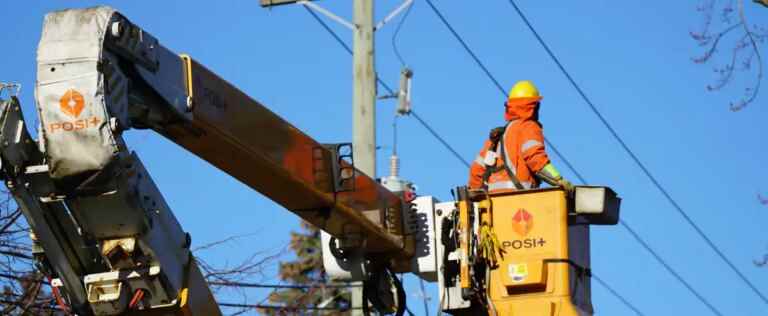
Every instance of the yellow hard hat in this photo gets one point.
(523, 89)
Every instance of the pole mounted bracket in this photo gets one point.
(393, 14)
(327, 13)
(313, 6)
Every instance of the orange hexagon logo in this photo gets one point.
(72, 103)
(522, 222)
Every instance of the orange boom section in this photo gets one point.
(251, 143)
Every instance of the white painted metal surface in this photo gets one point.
(420, 222)
(449, 289)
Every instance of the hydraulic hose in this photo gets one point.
(372, 286)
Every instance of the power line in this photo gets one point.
(439, 138)
(330, 31)
(570, 166)
(487, 72)
(567, 163)
(635, 158)
(384, 84)
(669, 268)
(281, 286)
(658, 258)
(287, 308)
(344, 45)
(616, 294)
(466, 47)
(397, 31)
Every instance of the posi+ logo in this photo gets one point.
(72, 103)
(522, 222)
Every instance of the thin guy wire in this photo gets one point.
(637, 161)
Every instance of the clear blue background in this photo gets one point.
(631, 58)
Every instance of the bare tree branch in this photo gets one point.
(762, 262)
(220, 242)
(741, 37)
(763, 200)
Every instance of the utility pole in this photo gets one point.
(364, 91)
(364, 95)
(363, 107)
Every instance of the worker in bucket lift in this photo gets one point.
(514, 158)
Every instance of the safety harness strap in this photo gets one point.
(510, 173)
(489, 170)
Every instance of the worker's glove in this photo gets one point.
(566, 185)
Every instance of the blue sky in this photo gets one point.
(632, 59)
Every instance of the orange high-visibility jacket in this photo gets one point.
(524, 144)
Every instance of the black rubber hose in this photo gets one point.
(366, 310)
(372, 286)
(400, 294)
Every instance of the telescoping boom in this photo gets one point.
(108, 237)
(104, 234)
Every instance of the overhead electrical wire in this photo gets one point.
(570, 166)
(397, 32)
(634, 157)
(669, 268)
(616, 294)
(442, 140)
(386, 87)
(439, 138)
(343, 44)
(281, 286)
(445, 143)
(663, 262)
(487, 72)
(286, 308)
(329, 30)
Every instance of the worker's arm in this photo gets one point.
(532, 146)
(550, 174)
(535, 155)
(477, 168)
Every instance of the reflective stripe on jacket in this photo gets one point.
(523, 142)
